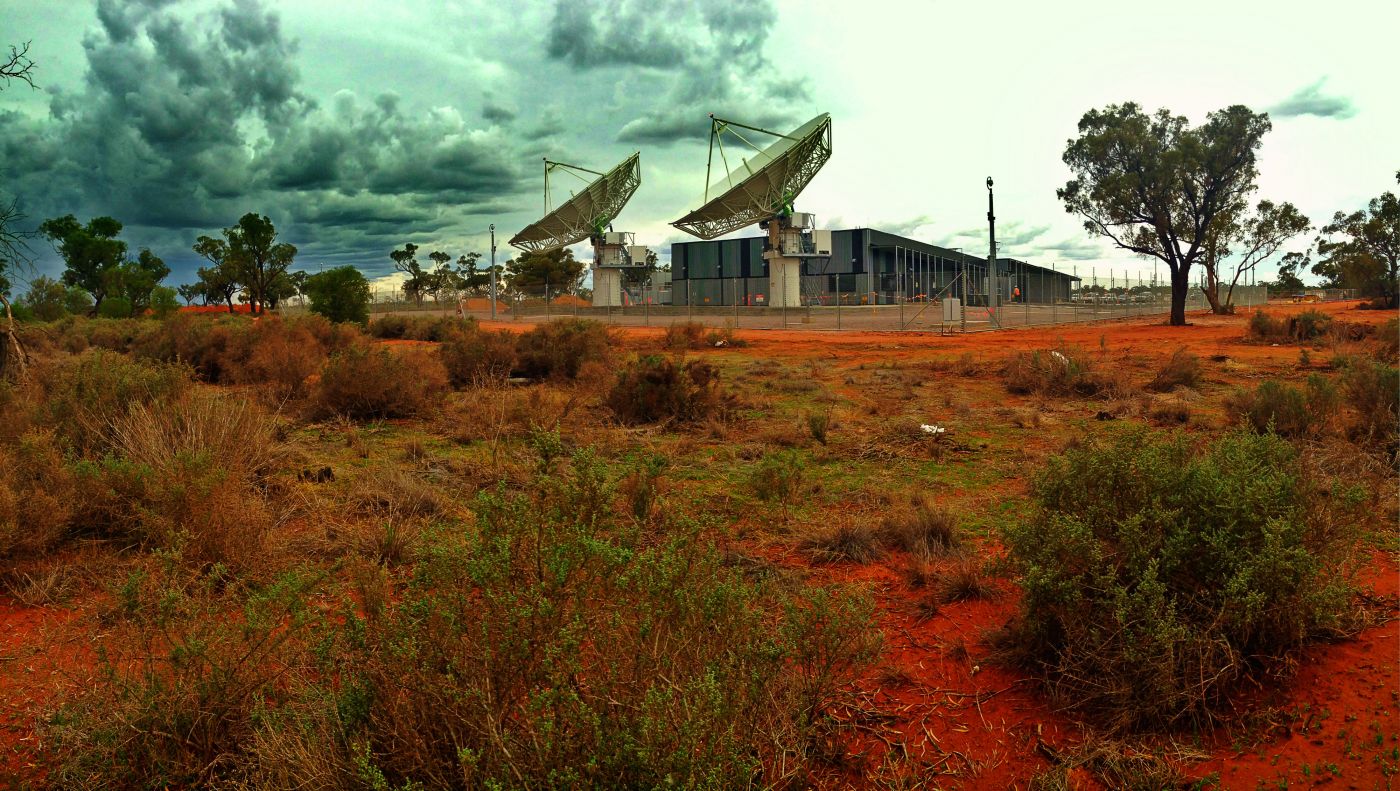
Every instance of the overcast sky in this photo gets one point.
(358, 125)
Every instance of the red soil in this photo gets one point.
(933, 697)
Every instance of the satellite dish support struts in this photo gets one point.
(588, 214)
(762, 190)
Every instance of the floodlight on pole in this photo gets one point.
(992, 280)
(493, 271)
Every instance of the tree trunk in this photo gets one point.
(14, 359)
(1181, 285)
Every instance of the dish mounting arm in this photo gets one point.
(718, 126)
(550, 165)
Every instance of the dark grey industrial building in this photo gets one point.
(866, 267)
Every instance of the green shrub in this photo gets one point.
(778, 477)
(1264, 327)
(1373, 391)
(473, 356)
(1157, 576)
(560, 349)
(188, 667)
(1308, 325)
(363, 383)
(115, 308)
(1286, 410)
(77, 301)
(46, 298)
(552, 646)
(654, 389)
(340, 294)
(117, 335)
(165, 302)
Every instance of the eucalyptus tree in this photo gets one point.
(1154, 184)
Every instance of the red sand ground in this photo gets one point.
(969, 723)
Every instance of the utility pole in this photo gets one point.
(992, 279)
(493, 270)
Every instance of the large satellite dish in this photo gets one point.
(587, 213)
(764, 186)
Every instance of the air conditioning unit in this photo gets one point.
(803, 219)
(637, 254)
(615, 237)
(821, 242)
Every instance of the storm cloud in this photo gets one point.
(702, 57)
(184, 123)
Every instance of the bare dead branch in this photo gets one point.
(18, 67)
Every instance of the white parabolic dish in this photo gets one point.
(588, 212)
(761, 186)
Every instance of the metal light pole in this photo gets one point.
(493, 271)
(992, 279)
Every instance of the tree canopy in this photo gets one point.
(339, 294)
(91, 253)
(257, 258)
(1248, 239)
(1362, 249)
(531, 272)
(1153, 184)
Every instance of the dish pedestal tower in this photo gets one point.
(613, 251)
(791, 238)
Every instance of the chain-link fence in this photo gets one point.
(928, 303)
(918, 295)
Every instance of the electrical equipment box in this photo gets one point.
(637, 254)
(821, 242)
(803, 219)
(615, 237)
(952, 309)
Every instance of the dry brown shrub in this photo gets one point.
(191, 477)
(391, 492)
(36, 494)
(1183, 369)
(1171, 412)
(922, 528)
(656, 389)
(475, 357)
(362, 383)
(850, 540)
(686, 335)
(965, 579)
(1065, 371)
(281, 355)
(560, 349)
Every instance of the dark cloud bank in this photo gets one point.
(181, 126)
(183, 123)
(710, 52)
